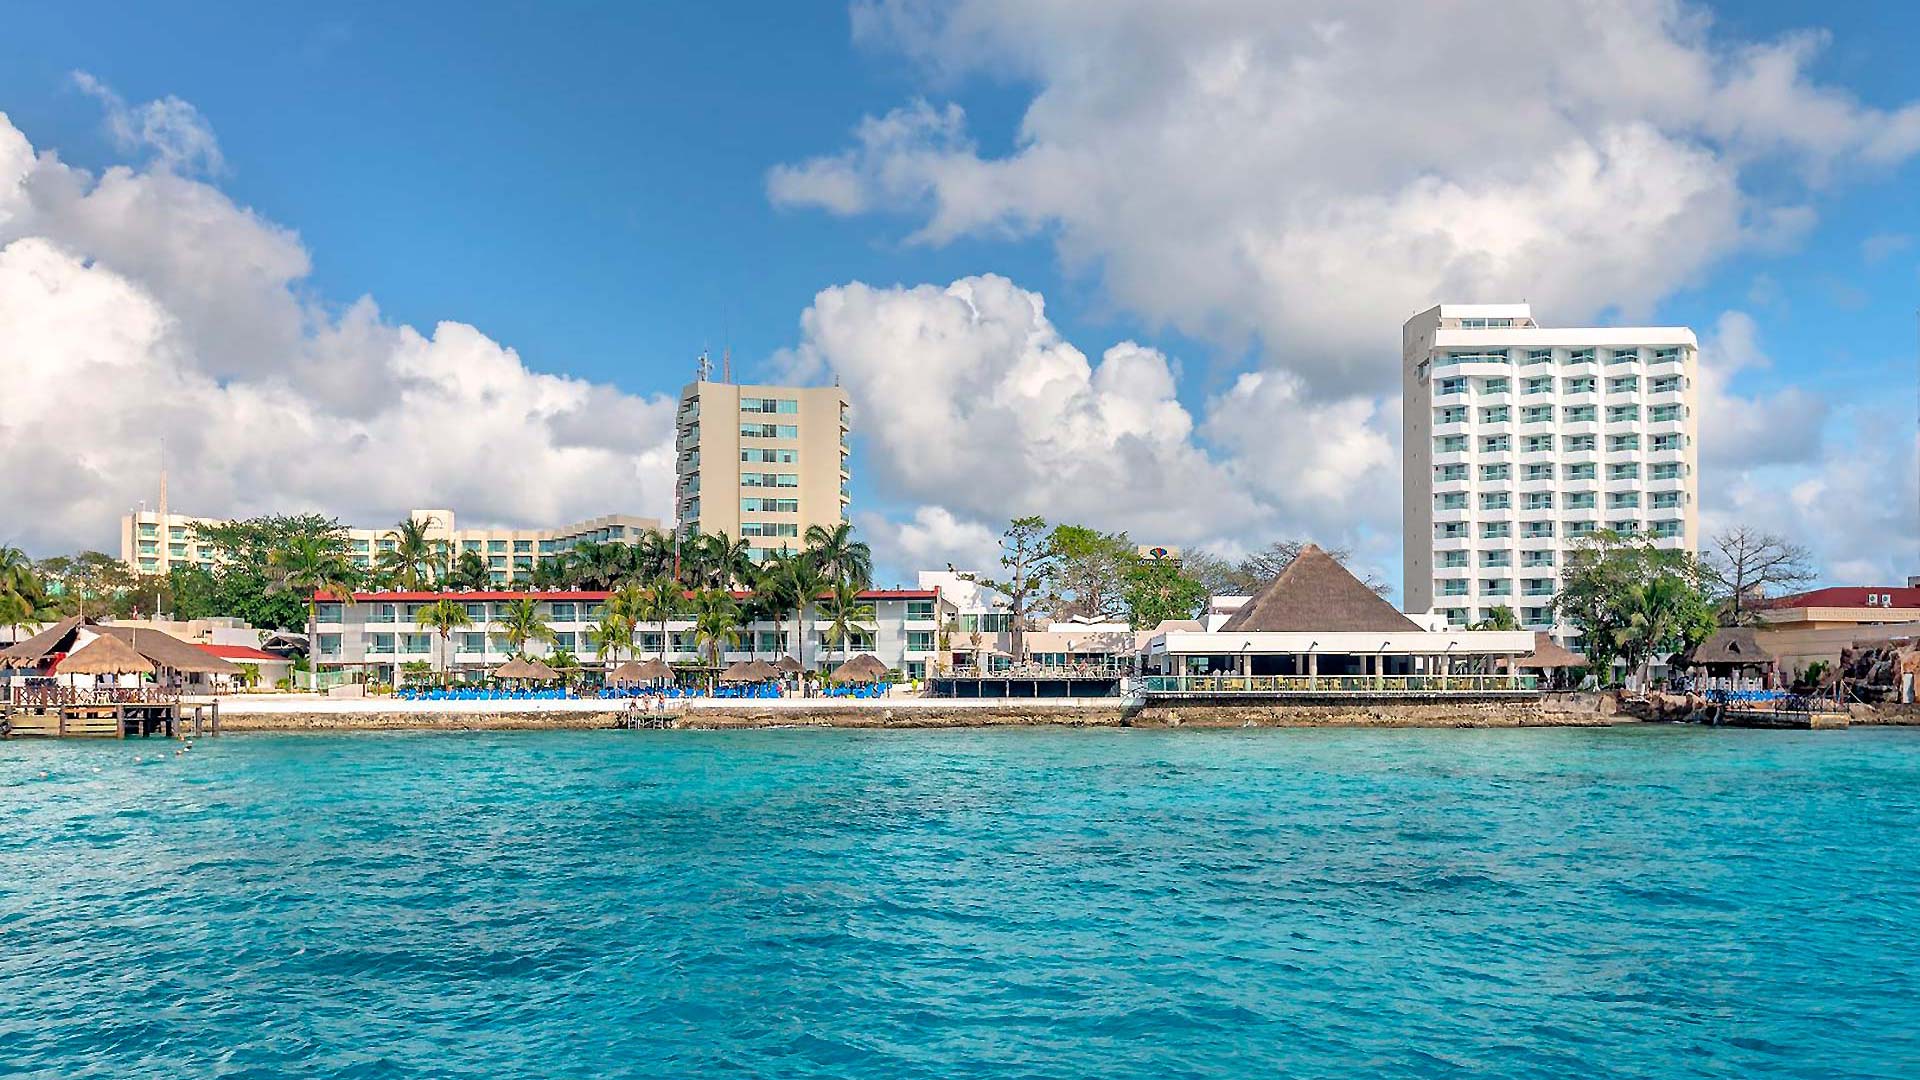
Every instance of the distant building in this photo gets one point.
(761, 463)
(1522, 439)
(153, 542)
(1808, 627)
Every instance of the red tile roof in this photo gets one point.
(238, 652)
(1849, 596)
(580, 596)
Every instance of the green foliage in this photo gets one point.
(716, 623)
(412, 559)
(249, 579)
(520, 622)
(1633, 601)
(845, 613)
(838, 555)
(196, 592)
(1500, 617)
(1089, 572)
(1160, 589)
(470, 571)
(1026, 566)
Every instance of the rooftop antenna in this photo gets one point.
(705, 366)
(726, 347)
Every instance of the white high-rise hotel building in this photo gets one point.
(1521, 439)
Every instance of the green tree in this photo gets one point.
(726, 561)
(567, 664)
(410, 554)
(306, 566)
(521, 622)
(444, 616)
(87, 582)
(798, 582)
(1499, 617)
(16, 612)
(1026, 564)
(1089, 572)
(470, 571)
(838, 555)
(846, 614)
(1159, 589)
(1603, 595)
(716, 623)
(611, 636)
(1664, 614)
(243, 571)
(195, 592)
(658, 602)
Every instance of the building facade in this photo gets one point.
(761, 463)
(377, 633)
(153, 543)
(1522, 439)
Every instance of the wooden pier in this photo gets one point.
(171, 718)
(1791, 719)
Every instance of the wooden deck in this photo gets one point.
(172, 718)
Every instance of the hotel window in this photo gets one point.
(1580, 500)
(1542, 385)
(1622, 500)
(1665, 354)
(327, 613)
(1579, 443)
(1537, 587)
(1626, 384)
(1625, 354)
(1453, 587)
(1494, 530)
(1580, 356)
(523, 547)
(497, 562)
(1617, 443)
(1452, 559)
(1456, 414)
(1664, 500)
(1537, 530)
(149, 530)
(1538, 471)
(380, 644)
(919, 641)
(1538, 444)
(1455, 385)
(769, 479)
(329, 644)
(1495, 500)
(383, 613)
(1668, 470)
(1665, 384)
(1496, 558)
(548, 547)
(473, 642)
(919, 610)
(563, 612)
(1665, 529)
(1496, 587)
(470, 545)
(1450, 444)
(1494, 444)
(1444, 473)
(1536, 558)
(1455, 616)
(1575, 414)
(497, 546)
(1537, 414)
(1456, 500)
(649, 641)
(1622, 414)
(1623, 470)
(1485, 324)
(1585, 384)
(685, 641)
(769, 431)
(1578, 529)
(769, 529)
(1539, 356)
(771, 506)
(1626, 527)
(1669, 442)
(1479, 357)
(1494, 386)
(1537, 500)
(1495, 472)
(1537, 616)
(769, 405)
(1661, 414)
(476, 612)
(1449, 530)
(770, 457)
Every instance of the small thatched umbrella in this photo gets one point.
(105, 655)
(652, 669)
(787, 665)
(525, 670)
(863, 668)
(749, 671)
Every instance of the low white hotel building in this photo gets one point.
(1521, 439)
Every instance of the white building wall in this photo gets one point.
(1498, 411)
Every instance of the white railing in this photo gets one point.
(1270, 685)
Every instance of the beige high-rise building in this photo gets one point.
(761, 463)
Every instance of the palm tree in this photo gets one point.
(654, 553)
(1662, 613)
(312, 564)
(549, 573)
(612, 634)
(798, 582)
(567, 664)
(659, 601)
(16, 611)
(521, 622)
(445, 616)
(690, 558)
(726, 560)
(628, 607)
(716, 624)
(600, 566)
(846, 613)
(470, 571)
(411, 556)
(1499, 618)
(838, 554)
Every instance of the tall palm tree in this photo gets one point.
(311, 564)
(1657, 619)
(716, 624)
(846, 613)
(16, 611)
(726, 560)
(600, 566)
(521, 622)
(799, 582)
(549, 573)
(412, 556)
(567, 664)
(690, 558)
(610, 636)
(838, 554)
(654, 553)
(763, 602)
(628, 605)
(470, 571)
(658, 602)
(444, 616)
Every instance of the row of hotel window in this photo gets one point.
(560, 611)
(1571, 414)
(1458, 558)
(686, 642)
(1543, 500)
(1495, 587)
(1572, 444)
(1538, 530)
(1573, 470)
(1623, 354)
(1579, 384)
(1533, 618)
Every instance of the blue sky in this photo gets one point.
(590, 187)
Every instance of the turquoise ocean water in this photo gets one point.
(1657, 902)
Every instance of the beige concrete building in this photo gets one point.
(153, 542)
(761, 463)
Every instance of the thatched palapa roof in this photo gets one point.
(168, 651)
(1548, 653)
(749, 671)
(33, 651)
(1316, 594)
(652, 669)
(522, 668)
(1731, 645)
(863, 668)
(105, 655)
(788, 665)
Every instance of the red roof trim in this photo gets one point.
(587, 595)
(239, 652)
(1849, 596)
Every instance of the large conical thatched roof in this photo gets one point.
(788, 665)
(1731, 645)
(652, 669)
(863, 668)
(105, 655)
(31, 652)
(1316, 594)
(749, 671)
(168, 651)
(522, 668)
(1548, 653)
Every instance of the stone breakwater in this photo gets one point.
(1584, 710)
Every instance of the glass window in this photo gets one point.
(1534, 530)
(1450, 559)
(1496, 558)
(1456, 414)
(1494, 444)
(1444, 473)
(1495, 472)
(1578, 443)
(1495, 414)
(1539, 471)
(380, 644)
(1580, 500)
(1660, 414)
(920, 641)
(1620, 414)
(1494, 530)
(1623, 442)
(919, 609)
(1576, 414)
(1580, 356)
(1494, 500)
(1538, 444)
(327, 613)
(1494, 386)
(1626, 354)
(1541, 385)
(1539, 356)
(1539, 500)
(1454, 500)
(1450, 444)
(1536, 414)
(1451, 386)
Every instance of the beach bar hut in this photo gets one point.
(1549, 659)
(521, 669)
(1732, 658)
(864, 668)
(749, 671)
(632, 673)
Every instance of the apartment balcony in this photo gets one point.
(1452, 457)
(1496, 398)
(1495, 457)
(1462, 513)
(1453, 543)
(1454, 427)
